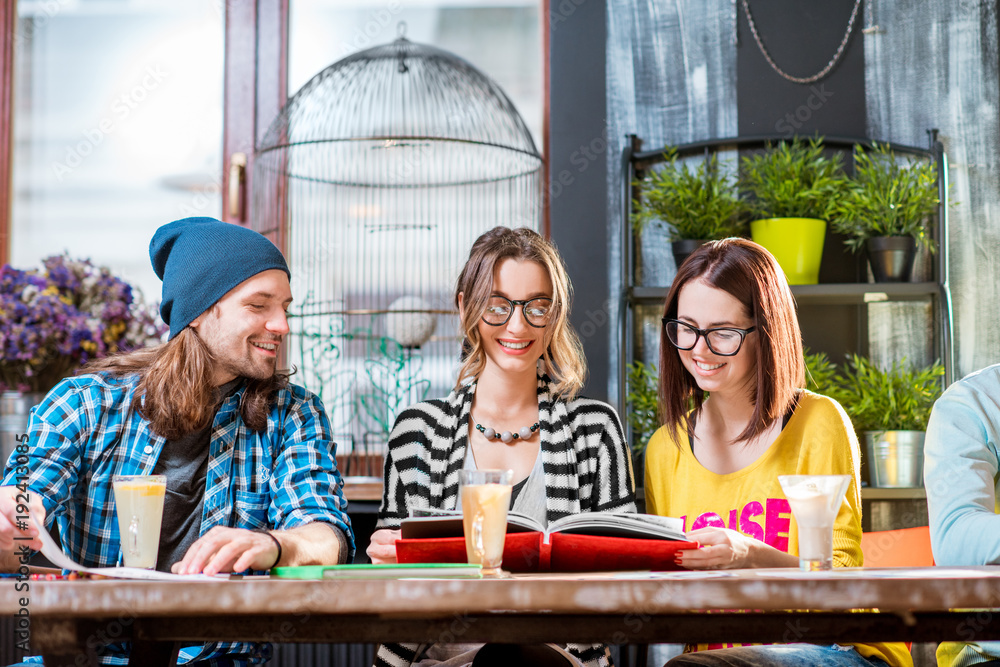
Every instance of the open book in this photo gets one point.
(448, 523)
(576, 543)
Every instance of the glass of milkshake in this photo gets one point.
(485, 499)
(139, 503)
(815, 501)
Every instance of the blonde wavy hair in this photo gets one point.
(563, 355)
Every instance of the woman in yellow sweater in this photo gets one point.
(730, 347)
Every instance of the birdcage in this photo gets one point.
(375, 180)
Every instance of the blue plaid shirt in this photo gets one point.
(83, 433)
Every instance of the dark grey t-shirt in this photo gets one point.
(185, 463)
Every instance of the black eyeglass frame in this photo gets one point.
(514, 304)
(703, 333)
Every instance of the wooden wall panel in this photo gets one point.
(671, 70)
(935, 65)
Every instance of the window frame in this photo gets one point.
(255, 88)
(8, 26)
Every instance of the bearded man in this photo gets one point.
(252, 482)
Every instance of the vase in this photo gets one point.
(14, 409)
(796, 243)
(891, 258)
(895, 459)
(683, 248)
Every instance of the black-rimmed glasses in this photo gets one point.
(536, 311)
(723, 341)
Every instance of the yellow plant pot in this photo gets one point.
(797, 244)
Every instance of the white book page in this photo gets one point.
(523, 522)
(620, 524)
(52, 551)
(516, 523)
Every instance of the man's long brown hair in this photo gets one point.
(750, 274)
(175, 393)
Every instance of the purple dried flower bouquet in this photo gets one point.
(54, 319)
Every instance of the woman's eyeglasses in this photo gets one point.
(723, 341)
(536, 311)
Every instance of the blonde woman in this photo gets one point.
(515, 406)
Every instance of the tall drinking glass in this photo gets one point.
(485, 499)
(815, 501)
(139, 502)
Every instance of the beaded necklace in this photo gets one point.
(506, 436)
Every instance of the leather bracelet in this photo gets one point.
(276, 542)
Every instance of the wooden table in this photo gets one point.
(363, 489)
(617, 608)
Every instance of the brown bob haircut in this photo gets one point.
(752, 276)
(563, 356)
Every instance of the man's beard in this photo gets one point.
(252, 371)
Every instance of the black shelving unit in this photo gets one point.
(859, 293)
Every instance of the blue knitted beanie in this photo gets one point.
(200, 259)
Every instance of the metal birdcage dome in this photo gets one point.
(375, 179)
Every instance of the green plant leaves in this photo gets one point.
(898, 398)
(642, 402)
(822, 375)
(699, 204)
(887, 198)
(793, 180)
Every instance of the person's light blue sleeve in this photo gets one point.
(960, 471)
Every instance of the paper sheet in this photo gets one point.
(52, 551)
(635, 575)
(691, 574)
(880, 573)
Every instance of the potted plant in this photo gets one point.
(890, 408)
(694, 205)
(642, 406)
(793, 189)
(886, 209)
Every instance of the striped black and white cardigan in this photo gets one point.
(585, 460)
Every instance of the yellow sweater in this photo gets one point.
(818, 439)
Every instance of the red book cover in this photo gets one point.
(520, 551)
(587, 553)
(527, 552)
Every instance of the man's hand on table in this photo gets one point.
(238, 549)
(228, 550)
